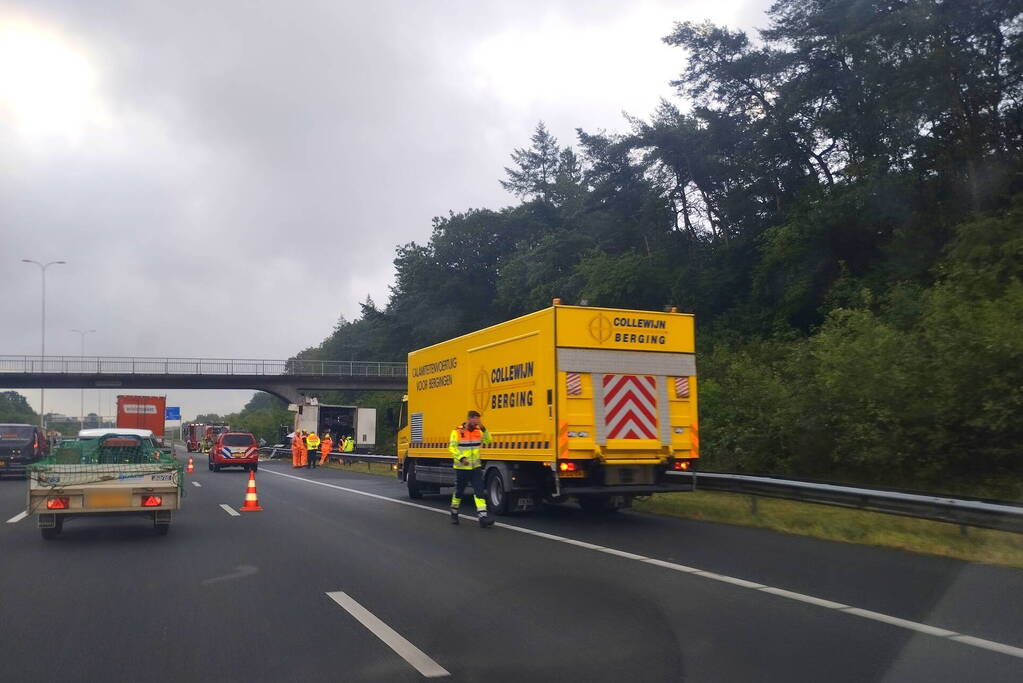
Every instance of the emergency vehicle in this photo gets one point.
(591, 404)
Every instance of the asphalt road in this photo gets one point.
(554, 595)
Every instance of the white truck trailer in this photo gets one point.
(340, 421)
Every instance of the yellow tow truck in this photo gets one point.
(584, 403)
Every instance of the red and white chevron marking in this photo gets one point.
(681, 387)
(630, 406)
(574, 383)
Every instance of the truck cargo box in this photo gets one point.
(592, 403)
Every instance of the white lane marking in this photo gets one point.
(196, 484)
(406, 650)
(17, 518)
(243, 570)
(990, 645)
(935, 631)
(230, 510)
(903, 623)
(820, 602)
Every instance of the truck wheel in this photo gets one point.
(253, 468)
(414, 490)
(498, 498)
(210, 463)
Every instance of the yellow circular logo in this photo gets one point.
(481, 390)
(600, 328)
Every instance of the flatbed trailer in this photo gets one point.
(113, 475)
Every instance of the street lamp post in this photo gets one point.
(81, 414)
(42, 352)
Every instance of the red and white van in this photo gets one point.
(234, 449)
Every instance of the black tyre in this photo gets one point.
(498, 498)
(210, 463)
(415, 491)
(253, 468)
(216, 467)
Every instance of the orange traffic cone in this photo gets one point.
(251, 497)
(191, 467)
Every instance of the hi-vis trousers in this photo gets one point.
(464, 477)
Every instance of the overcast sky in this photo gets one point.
(227, 178)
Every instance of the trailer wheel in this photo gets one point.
(415, 491)
(498, 498)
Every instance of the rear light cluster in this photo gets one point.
(568, 466)
(58, 503)
(680, 465)
(152, 501)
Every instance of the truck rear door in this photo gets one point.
(626, 384)
(366, 427)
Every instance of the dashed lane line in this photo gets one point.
(419, 660)
(18, 517)
(230, 510)
(918, 627)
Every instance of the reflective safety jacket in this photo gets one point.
(465, 443)
(312, 442)
(349, 444)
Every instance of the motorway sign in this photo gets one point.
(172, 413)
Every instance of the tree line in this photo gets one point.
(838, 200)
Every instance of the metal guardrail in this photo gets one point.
(962, 511)
(272, 452)
(115, 365)
(965, 512)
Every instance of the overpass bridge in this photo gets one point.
(286, 379)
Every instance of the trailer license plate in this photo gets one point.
(114, 499)
(572, 475)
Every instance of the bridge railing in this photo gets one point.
(114, 365)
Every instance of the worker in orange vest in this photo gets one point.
(298, 454)
(326, 446)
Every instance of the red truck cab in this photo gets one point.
(234, 449)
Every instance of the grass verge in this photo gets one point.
(381, 469)
(842, 524)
